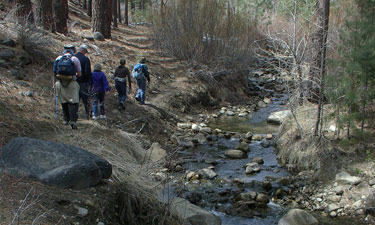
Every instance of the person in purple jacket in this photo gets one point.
(100, 88)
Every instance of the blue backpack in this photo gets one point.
(138, 72)
(65, 66)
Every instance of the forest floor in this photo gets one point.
(173, 85)
(120, 139)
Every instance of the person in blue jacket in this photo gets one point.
(142, 69)
(100, 87)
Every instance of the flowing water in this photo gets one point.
(202, 156)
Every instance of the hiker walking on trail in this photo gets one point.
(66, 69)
(141, 74)
(84, 81)
(100, 88)
(121, 74)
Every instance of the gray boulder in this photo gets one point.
(62, 165)
(279, 117)
(235, 154)
(9, 42)
(7, 55)
(243, 146)
(298, 217)
(345, 178)
(99, 36)
(192, 214)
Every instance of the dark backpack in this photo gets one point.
(65, 66)
(138, 72)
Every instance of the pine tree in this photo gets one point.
(44, 14)
(60, 15)
(102, 17)
(353, 88)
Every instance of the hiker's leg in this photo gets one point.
(84, 95)
(95, 105)
(142, 87)
(65, 110)
(101, 101)
(73, 111)
(120, 92)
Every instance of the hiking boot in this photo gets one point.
(138, 98)
(73, 125)
(123, 105)
(66, 122)
(103, 117)
(94, 117)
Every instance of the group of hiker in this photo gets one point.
(75, 81)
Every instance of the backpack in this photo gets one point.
(138, 72)
(66, 66)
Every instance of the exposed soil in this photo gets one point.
(175, 90)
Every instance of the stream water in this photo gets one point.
(204, 155)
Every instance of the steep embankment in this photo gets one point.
(27, 104)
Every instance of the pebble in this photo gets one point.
(82, 211)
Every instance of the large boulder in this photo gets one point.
(157, 153)
(192, 214)
(279, 117)
(235, 154)
(298, 217)
(62, 165)
(345, 178)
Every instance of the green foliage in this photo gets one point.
(370, 156)
(348, 142)
(351, 88)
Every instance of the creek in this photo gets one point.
(217, 194)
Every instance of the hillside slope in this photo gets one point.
(27, 109)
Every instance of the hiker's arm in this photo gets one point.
(88, 67)
(129, 79)
(77, 63)
(147, 74)
(106, 84)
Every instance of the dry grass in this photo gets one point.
(301, 148)
(137, 206)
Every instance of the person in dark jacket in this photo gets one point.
(84, 81)
(141, 82)
(100, 88)
(121, 74)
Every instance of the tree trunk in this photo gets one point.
(119, 10)
(89, 8)
(24, 12)
(102, 17)
(126, 12)
(114, 12)
(132, 6)
(320, 46)
(85, 4)
(60, 13)
(162, 11)
(44, 14)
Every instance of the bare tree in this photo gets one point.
(44, 14)
(24, 12)
(60, 13)
(102, 16)
(318, 69)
